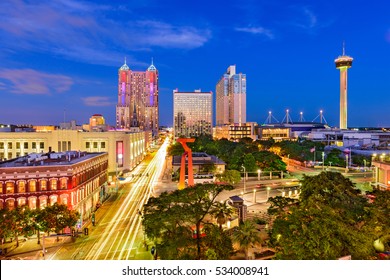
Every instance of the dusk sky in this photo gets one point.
(61, 55)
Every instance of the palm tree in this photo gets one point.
(247, 235)
(222, 211)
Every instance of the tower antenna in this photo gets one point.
(343, 48)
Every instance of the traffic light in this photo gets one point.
(153, 250)
(85, 231)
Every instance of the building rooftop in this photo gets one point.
(49, 159)
(199, 158)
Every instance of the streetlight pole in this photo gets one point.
(346, 163)
(258, 174)
(268, 189)
(244, 178)
(323, 160)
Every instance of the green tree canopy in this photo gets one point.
(247, 235)
(229, 176)
(175, 220)
(332, 220)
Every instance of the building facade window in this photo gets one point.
(25, 145)
(87, 145)
(10, 203)
(21, 201)
(1, 155)
(17, 145)
(9, 187)
(95, 145)
(21, 187)
(41, 145)
(103, 145)
(32, 203)
(1, 145)
(42, 202)
(9, 155)
(34, 145)
(63, 183)
(43, 185)
(1, 187)
(32, 186)
(64, 200)
(53, 184)
(9, 145)
(53, 199)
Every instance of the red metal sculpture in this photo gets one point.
(188, 153)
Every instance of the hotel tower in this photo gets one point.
(231, 98)
(192, 113)
(137, 99)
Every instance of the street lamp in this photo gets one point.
(258, 174)
(254, 195)
(288, 160)
(268, 189)
(323, 161)
(244, 178)
(346, 162)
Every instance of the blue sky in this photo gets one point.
(61, 55)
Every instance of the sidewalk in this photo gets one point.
(29, 249)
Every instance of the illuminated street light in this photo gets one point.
(244, 178)
(268, 189)
(258, 174)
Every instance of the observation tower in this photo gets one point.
(343, 62)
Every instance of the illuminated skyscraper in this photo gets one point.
(192, 113)
(231, 98)
(137, 99)
(343, 62)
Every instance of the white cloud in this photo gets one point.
(97, 101)
(84, 31)
(256, 31)
(29, 81)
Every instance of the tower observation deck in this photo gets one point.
(343, 62)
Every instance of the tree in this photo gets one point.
(58, 217)
(279, 204)
(334, 158)
(331, 220)
(247, 235)
(6, 224)
(218, 241)
(268, 161)
(250, 163)
(229, 176)
(17, 221)
(222, 211)
(175, 220)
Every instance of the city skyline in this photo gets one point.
(60, 59)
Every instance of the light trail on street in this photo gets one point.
(115, 236)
